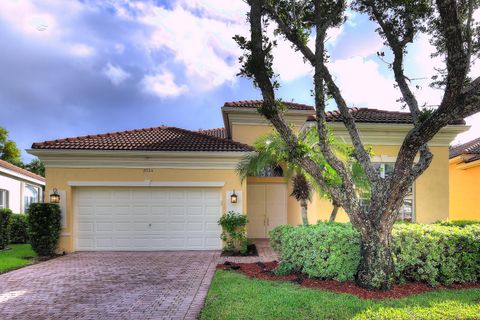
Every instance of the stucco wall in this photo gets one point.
(59, 178)
(464, 191)
(14, 188)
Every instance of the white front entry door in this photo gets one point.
(266, 208)
(143, 219)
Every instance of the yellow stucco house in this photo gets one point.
(165, 188)
(464, 174)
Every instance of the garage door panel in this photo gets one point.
(147, 219)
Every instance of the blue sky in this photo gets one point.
(71, 68)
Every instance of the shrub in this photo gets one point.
(44, 224)
(5, 227)
(233, 232)
(19, 230)
(429, 253)
(283, 269)
(458, 223)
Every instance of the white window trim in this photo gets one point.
(4, 205)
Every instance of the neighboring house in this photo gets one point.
(464, 172)
(19, 187)
(165, 188)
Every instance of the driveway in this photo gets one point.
(110, 285)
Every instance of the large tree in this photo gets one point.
(453, 32)
(8, 149)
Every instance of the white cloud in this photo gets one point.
(81, 50)
(163, 85)
(363, 85)
(115, 73)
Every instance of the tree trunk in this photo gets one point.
(304, 205)
(333, 215)
(376, 271)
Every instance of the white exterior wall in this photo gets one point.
(14, 188)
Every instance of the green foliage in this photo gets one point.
(458, 223)
(5, 227)
(284, 269)
(234, 232)
(19, 230)
(428, 253)
(325, 250)
(8, 149)
(44, 224)
(36, 166)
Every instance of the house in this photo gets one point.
(165, 188)
(19, 187)
(464, 175)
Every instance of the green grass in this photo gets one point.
(18, 256)
(234, 296)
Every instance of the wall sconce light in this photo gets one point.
(55, 197)
(233, 197)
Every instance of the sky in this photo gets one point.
(71, 68)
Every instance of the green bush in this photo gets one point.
(5, 227)
(19, 230)
(234, 232)
(284, 269)
(458, 223)
(433, 254)
(44, 225)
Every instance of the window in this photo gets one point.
(271, 171)
(31, 195)
(3, 199)
(407, 211)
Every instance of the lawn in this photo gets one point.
(18, 256)
(234, 296)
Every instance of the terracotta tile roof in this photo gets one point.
(216, 132)
(9, 166)
(150, 139)
(257, 103)
(470, 150)
(367, 115)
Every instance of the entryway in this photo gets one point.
(266, 208)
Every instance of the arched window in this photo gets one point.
(3, 199)
(31, 195)
(272, 171)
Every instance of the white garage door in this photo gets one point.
(147, 218)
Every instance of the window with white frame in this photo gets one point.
(3, 199)
(407, 210)
(31, 195)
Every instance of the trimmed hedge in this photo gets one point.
(429, 253)
(44, 225)
(458, 223)
(5, 226)
(19, 229)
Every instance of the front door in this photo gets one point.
(266, 208)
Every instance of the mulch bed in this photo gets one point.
(260, 270)
(251, 252)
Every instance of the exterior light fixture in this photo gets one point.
(233, 197)
(55, 197)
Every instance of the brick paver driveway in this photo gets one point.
(109, 285)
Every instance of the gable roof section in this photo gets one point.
(21, 171)
(367, 115)
(215, 132)
(470, 151)
(251, 104)
(150, 139)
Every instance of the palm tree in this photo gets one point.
(271, 151)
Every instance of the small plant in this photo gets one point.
(44, 223)
(19, 229)
(284, 269)
(5, 227)
(233, 232)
